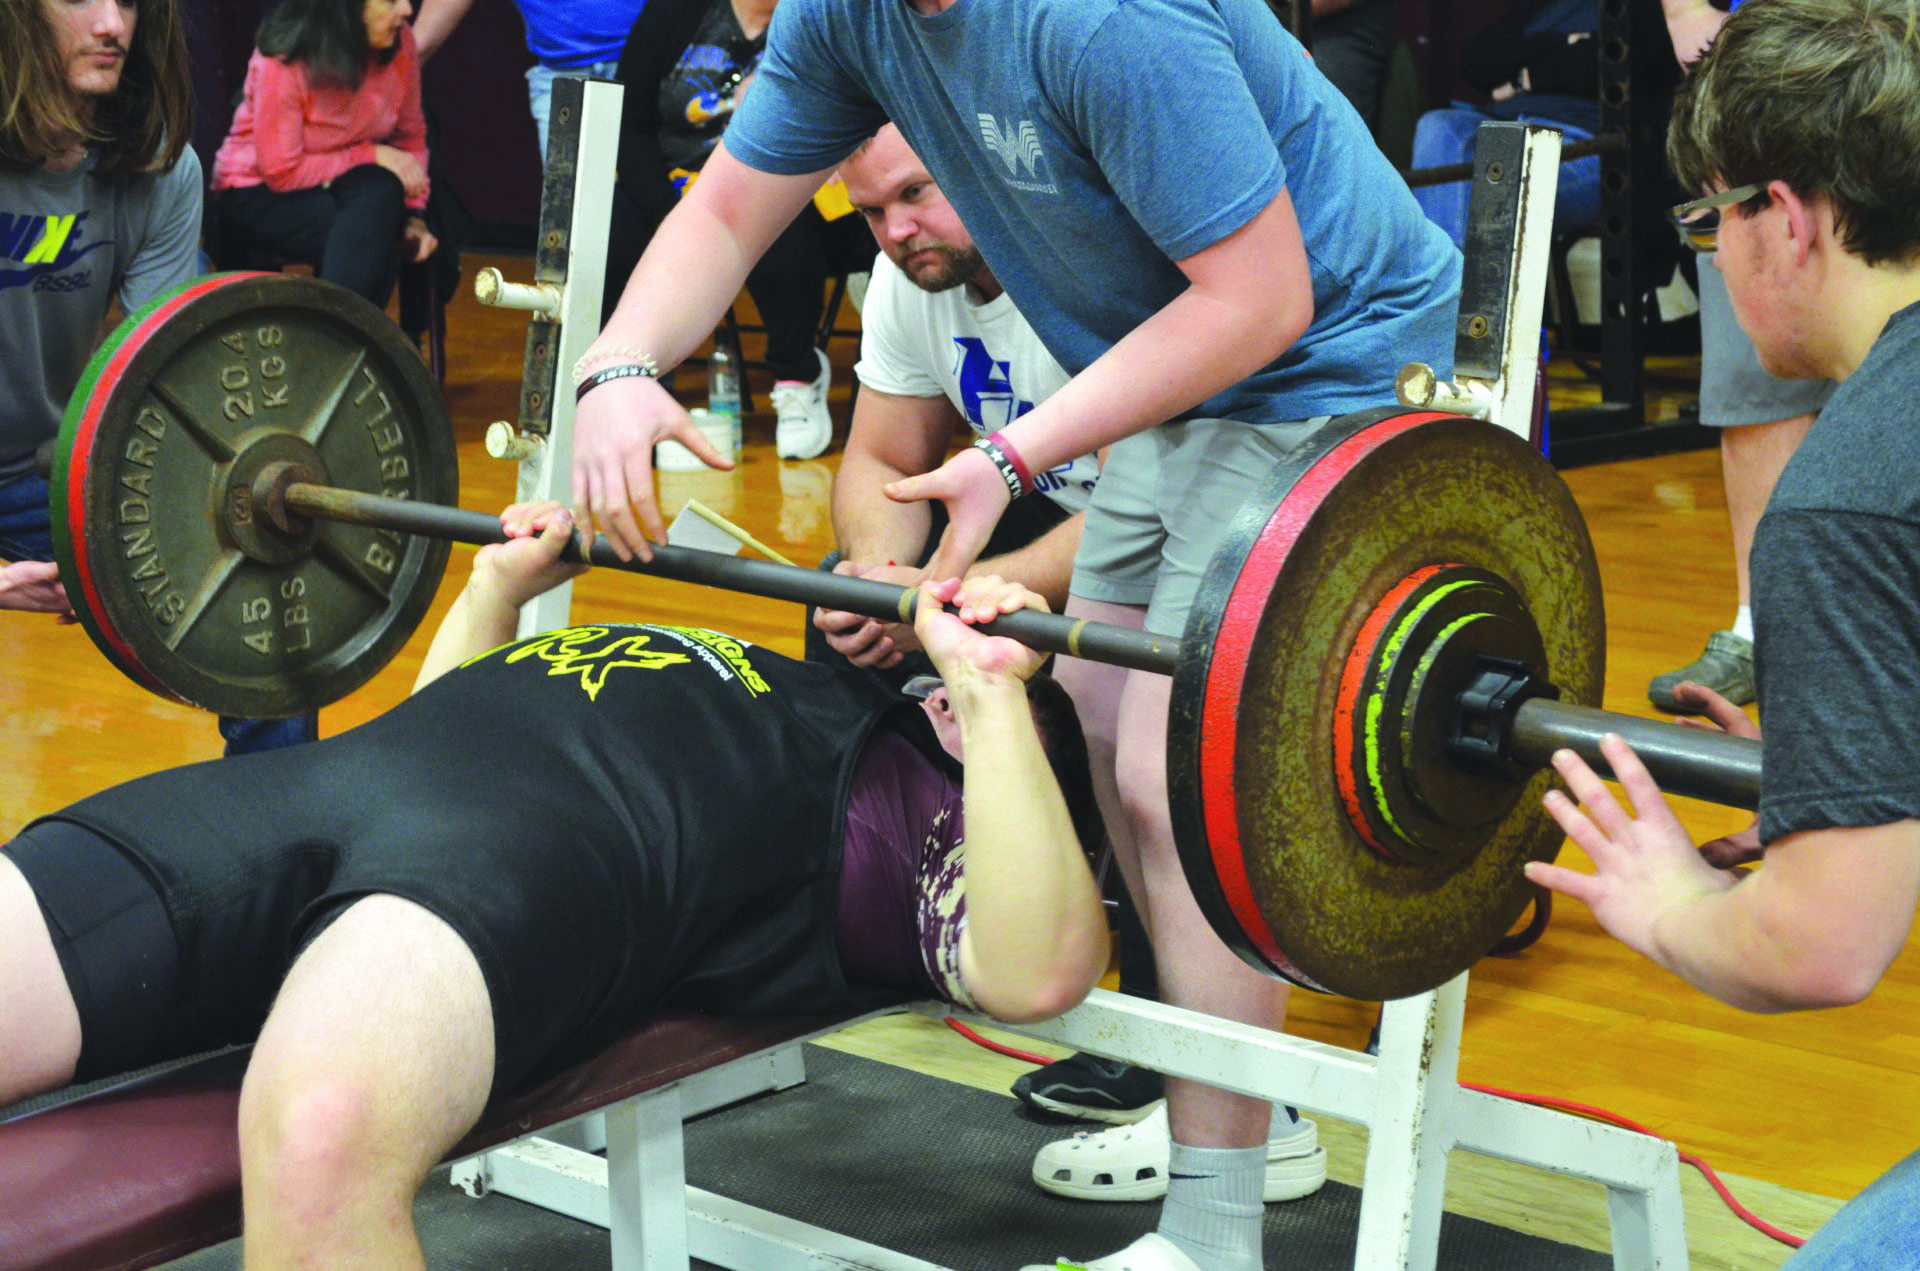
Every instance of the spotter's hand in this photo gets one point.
(1645, 865)
(865, 641)
(975, 496)
(614, 432)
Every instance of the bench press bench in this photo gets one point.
(144, 1172)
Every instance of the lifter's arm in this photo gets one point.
(505, 576)
(1035, 940)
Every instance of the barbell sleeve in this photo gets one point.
(1696, 762)
(1054, 633)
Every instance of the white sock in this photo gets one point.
(1213, 1206)
(1743, 623)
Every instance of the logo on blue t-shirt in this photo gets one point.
(46, 245)
(1019, 148)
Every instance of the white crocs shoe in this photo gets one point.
(1129, 1162)
(1151, 1252)
(803, 426)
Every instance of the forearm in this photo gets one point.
(1188, 351)
(1044, 565)
(698, 260)
(869, 527)
(1815, 926)
(480, 619)
(436, 22)
(1037, 933)
(1250, 298)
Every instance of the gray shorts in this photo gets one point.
(1735, 390)
(1164, 502)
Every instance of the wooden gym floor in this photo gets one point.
(1795, 1109)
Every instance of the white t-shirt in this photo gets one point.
(983, 357)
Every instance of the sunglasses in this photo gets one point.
(1698, 222)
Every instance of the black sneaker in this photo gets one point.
(1090, 1088)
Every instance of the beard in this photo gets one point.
(953, 266)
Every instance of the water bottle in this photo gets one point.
(723, 387)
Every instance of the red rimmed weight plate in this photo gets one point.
(1264, 833)
(169, 572)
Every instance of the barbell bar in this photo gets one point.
(1693, 762)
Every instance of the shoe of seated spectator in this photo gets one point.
(1129, 1162)
(1090, 1088)
(1726, 667)
(803, 427)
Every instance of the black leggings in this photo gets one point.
(114, 940)
(348, 230)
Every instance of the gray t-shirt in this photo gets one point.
(69, 243)
(1836, 605)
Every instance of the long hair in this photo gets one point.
(327, 37)
(142, 126)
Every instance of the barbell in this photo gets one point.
(249, 511)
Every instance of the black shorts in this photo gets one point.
(580, 935)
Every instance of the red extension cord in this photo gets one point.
(1740, 1211)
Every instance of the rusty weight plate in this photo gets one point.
(169, 572)
(1263, 832)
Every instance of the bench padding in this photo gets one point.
(137, 1176)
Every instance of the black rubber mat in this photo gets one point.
(912, 1163)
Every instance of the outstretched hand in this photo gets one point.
(975, 496)
(33, 586)
(528, 564)
(1645, 864)
(614, 432)
(951, 640)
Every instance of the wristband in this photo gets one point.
(584, 367)
(1013, 457)
(629, 371)
(1003, 464)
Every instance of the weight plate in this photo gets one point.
(1263, 832)
(153, 528)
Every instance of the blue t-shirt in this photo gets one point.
(570, 33)
(1090, 144)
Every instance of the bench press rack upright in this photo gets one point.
(1408, 1095)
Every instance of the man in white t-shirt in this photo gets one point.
(941, 345)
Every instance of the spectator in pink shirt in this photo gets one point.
(326, 161)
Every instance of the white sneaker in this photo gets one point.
(804, 428)
(1151, 1252)
(1129, 1162)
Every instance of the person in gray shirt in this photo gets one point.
(1786, 126)
(99, 202)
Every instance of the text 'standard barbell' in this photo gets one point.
(1385, 651)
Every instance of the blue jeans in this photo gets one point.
(540, 79)
(1444, 137)
(26, 533)
(1878, 1230)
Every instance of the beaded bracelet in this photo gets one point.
(584, 367)
(628, 371)
(1003, 461)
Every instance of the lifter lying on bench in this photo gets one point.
(551, 841)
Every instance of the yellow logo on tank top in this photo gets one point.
(568, 652)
